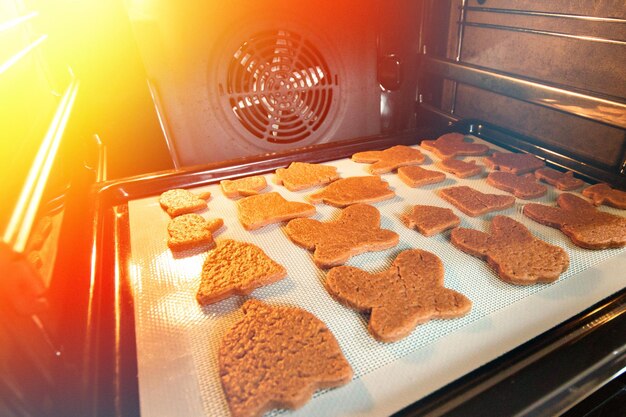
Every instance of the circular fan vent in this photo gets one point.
(279, 87)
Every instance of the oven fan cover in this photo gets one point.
(277, 87)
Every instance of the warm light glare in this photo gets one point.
(23, 216)
(15, 58)
(17, 21)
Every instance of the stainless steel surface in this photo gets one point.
(604, 110)
(536, 13)
(23, 217)
(165, 127)
(544, 32)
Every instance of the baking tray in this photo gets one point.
(177, 339)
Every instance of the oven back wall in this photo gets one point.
(250, 77)
(576, 46)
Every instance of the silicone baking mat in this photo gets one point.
(177, 340)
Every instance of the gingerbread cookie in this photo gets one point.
(430, 220)
(352, 190)
(356, 231)
(410, 292)
(260, 210)
(516, 163)
(513, 252)
(191, 230)
(524, 186)
(453, 144)
(178, 201)
(460, 168)
(243, 187)
(604, 194)
(415, 176)
(302, 175)
(389, 159)
(585, 225)
(474, 203)
(236, 268)
(277, 357)
(564, 181)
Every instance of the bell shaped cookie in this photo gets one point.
(236, 268)
(277, 357)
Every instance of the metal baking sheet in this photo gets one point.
(177, 340)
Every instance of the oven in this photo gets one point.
(106, 105)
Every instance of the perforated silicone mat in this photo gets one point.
(177, 340)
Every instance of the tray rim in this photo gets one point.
(111, 362)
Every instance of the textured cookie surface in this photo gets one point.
(430, 220)
(243, 187)
(191, 230)
(415, 176)
(604, 194)
(410, 292)
(302, 175)
(474, 203)
(513, 252)
(453, 144)
(522, 186)
(260, 210)
(461, 169)
(585, 225)
(564, 181)
(178, 201)
(236, 268)
(517, 163)
(356, 231)
(277, 357)
(389, 159)
(352, 190)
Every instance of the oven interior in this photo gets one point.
(94, 92)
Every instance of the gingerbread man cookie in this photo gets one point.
(302, 175)
(356, 231)
(604, 194)
(564, 181)
(523, 186)
(453, 144)
(260, 210)
(513, 252)
(585, 225)
(410, 292)
(516, 163)
(353, 190)
(389, 159)
(243, 187)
